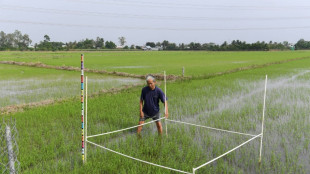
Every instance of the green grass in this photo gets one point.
(196, 63)
(232, 101)
(22, 84)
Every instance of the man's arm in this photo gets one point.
(166, 109)
(141, 106)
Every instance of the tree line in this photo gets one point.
(18, 41)
(14, 41)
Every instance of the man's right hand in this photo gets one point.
(141, 114)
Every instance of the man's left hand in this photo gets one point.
(166, 115)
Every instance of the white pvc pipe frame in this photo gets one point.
(195, 168)
(165, 102)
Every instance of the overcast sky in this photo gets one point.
(140, 21)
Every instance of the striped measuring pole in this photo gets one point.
(82, 104)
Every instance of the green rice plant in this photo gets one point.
(232, 101)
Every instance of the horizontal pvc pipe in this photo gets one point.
(212, 128)
(124, 129)
(138, 159)
(226, 153)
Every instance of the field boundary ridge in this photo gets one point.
(255, 66)
(71, 68)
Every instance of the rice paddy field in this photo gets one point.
(196, 63)
(50, 135)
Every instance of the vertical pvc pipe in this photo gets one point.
(263, 119)
(82, 103)
(85, 143)
(194, 171)
(165, 101)
(9, 143)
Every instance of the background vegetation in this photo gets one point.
(18, 41)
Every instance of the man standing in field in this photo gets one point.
(149, 103)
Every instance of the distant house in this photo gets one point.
(119, 47)
(148, 48)
(30, 46)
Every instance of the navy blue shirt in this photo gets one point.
(151, 100)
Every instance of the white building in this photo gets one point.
(148, 48)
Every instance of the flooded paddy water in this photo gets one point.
(56, 85)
